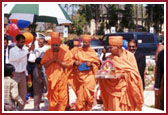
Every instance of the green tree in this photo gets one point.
(79, 23)
(95, 11)
(85, 10)
(136, 16)
(101, 29)
(154, 16)
(73, 6)
(158, 16)
(149, 15)
(127, 19)
(90, 11)
(112, 15)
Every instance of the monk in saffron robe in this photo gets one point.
(71, 78)
(124, 92)
(56, 61)
(72, 72)
(84, 82)
(76, 43)
(75, 47)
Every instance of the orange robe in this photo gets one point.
(72, 75)
(125, 94)
(158, 97)
(57, 78)
(71, 79)
(84, 83)
(74, 50)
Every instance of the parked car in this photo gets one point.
(147, 42)
(97, 45)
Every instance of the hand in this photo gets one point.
(27, 45)
(64, 65)
(88, 63)
(104, 50)
(21, 102)
(120, 75)
(156, 91)
(55, 57)
(31, 47)
(77, 63)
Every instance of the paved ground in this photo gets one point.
(148, 103)
(148, 99)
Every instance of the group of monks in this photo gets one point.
(122, 93)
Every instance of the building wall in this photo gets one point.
(92, 27)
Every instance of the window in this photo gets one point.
(95, 43)
(146, 38)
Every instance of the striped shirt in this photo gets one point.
(11, 92)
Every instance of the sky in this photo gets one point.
(69, 9)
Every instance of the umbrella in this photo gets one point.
(52, 13)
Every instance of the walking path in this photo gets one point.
(149, 99)
(148, 103)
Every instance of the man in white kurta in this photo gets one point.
(18, 58)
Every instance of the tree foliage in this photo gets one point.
(155, 15)
(127, 19)
(101, 29)
(112, 15)
(85, 11)
(79, 22)
(90, 11)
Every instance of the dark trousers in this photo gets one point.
(30, 69)
(162, 101)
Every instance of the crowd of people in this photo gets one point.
(56, 65)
